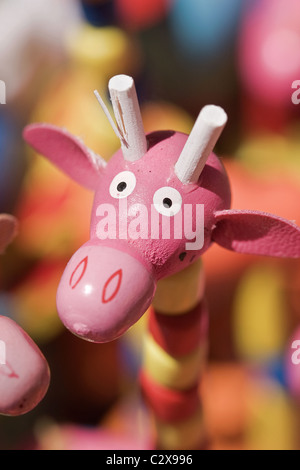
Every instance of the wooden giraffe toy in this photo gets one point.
(24, 372)
(160, 202)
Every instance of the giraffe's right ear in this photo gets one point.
(8, 230)
(67, 152)
(257, 233)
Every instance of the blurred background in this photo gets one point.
(243, 55)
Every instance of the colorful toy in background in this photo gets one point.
(135, 15)
(172, 364)
(205, 29)
(11, 160)
(99, 13)
(257, 309)
(30, 48)
(30, 44)
(188, 50)
(24, 372)
(131, 15)
(269, 63)
(245, 410)
(8, 230)
(272, 162)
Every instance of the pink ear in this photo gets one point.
(65, 151)
(8, 230)
(257, 233)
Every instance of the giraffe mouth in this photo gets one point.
(103, 292)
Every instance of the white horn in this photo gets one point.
(128, 116)
(201, 142)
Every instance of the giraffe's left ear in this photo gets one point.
(67, 152)
(8, 230)
(258, 233)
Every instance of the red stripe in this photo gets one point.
(179, 335)
(169, 405)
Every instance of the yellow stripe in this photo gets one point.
(176, 373)
(186, 435)
(181, 292)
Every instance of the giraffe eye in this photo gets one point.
(122, 185)
(167, 201)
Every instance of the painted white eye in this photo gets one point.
(122, 185)
(167, 201)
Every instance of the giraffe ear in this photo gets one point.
(8, 230)
(258, 233)
(66, 152)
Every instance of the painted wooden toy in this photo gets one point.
(160, 202)
(24, 372)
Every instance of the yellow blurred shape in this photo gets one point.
(160, 116)
(180, 292)
(272, 423)
(260, 314)
(185, 435)
(267, 154)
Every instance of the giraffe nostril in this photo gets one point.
(112, 286)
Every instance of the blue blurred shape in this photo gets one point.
(205, 27)
(6, 305)
(99, 14)
(12, 160)
(276, 370)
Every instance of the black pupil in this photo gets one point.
(121, 186)
(167, 203)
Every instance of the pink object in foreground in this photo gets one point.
(109, 283)
(24, 373)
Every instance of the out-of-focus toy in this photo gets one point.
(204, 29)
(98, 13)
(136, 15)
(24, 372)
(31, 41)
(269, 62)
(111, 280)
(30, 49)
(8, 231)
(12, 162)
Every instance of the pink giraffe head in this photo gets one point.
(164, 179)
